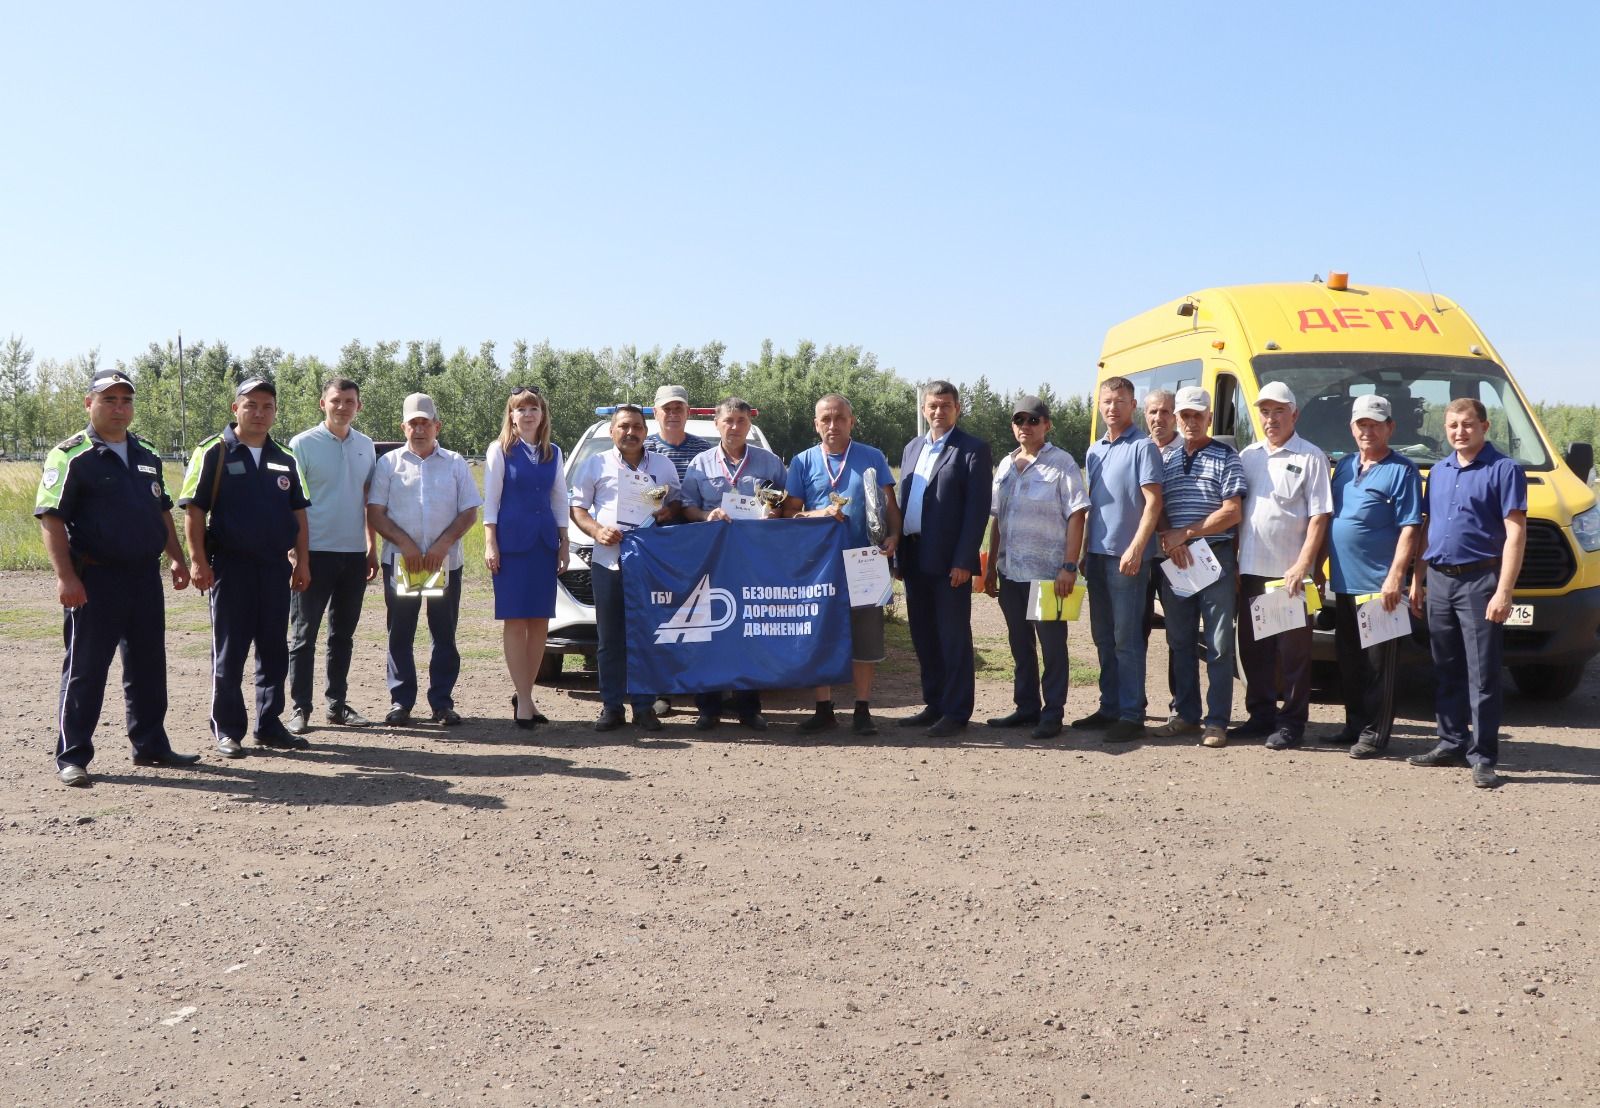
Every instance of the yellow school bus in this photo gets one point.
(1330, 343)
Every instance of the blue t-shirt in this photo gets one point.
(1117, 472)
(1369, 509)
(808, 480)
(1467, 508)
(1197, 484)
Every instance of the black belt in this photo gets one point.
(1457, 571)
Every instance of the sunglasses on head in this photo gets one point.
(526, 388)
(1022, 419)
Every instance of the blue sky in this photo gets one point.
(961, 189)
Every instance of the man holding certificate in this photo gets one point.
(1202, 490)
(1286, 511)
(1038, 505)
(1377, 520)
(732, 480)
(613, 493)
(422, 500)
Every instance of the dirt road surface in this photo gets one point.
(485, 916)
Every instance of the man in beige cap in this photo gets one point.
(671, 411)
(422, 500)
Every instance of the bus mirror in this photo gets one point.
(1580, 458)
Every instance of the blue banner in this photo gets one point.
(747, 604)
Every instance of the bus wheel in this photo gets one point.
(1548, 682)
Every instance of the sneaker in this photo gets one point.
(1251, 729)
(608, 721)
(1484, 777)
(297, 723)
(230, 748)
(1175, 726)
(863, 724)
(1440, 755)
(645, 719)
(397, 716)
(346, 716)
(75, 777)
(1214, 737)
(1094, 721)
(820, 720)
(1123, 731)
(1282, 739)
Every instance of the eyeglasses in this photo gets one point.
(1023, 420)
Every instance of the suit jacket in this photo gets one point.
(955, 506)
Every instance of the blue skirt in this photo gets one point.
(525, 587)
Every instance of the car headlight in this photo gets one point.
(1586, 529)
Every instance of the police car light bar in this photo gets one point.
(610, 409)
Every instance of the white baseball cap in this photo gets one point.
(1276, 393)
(1192, 399)
(1370, 406)
(419, 404)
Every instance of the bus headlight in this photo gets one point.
(1586, 529)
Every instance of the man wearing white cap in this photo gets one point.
(1286, 514)
(422, 500)
(1377, 522)
(1203, 486)
(671, 409)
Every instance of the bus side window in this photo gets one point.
(1230, 412)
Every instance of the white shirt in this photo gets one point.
(423, 496)
(1288, 485)
(594, 489)
(920, 476)
(494, 482)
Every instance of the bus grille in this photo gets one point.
(1549, 562)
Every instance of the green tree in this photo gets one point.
(16, 396)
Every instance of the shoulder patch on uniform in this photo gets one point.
(51, 476)
(68, 444)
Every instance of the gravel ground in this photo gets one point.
(483, 915)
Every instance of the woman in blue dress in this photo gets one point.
(525, 538)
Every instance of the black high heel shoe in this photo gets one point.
(531, 722)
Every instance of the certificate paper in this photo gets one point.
(1046, 606)
(738, 506)
(866, 572)
(1201, 571)
(1276, 611)
(1377, 625)
(632, 507)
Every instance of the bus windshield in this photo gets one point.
(1418, 389)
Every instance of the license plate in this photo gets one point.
(1521, 616)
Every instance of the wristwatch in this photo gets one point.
(1070, 567)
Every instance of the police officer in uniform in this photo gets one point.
(246, 511)
(104, 510)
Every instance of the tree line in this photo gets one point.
(42, 402)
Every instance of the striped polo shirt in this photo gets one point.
(1196, 484)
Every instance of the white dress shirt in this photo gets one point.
(1288, 485)
(423, 496)
(594, 489)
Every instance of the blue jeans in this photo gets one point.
(1213, 607)
(611, 657)
(1116, 620)
(1467, 652)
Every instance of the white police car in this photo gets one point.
(572, 631)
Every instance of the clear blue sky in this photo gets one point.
(961, 189)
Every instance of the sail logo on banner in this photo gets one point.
(693, 621)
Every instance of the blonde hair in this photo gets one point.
(508, 429)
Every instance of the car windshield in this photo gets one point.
(1418, 390)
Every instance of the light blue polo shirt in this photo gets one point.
(706, 479)
(335, 474)
(1369, 509)
(1117, 472)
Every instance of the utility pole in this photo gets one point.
(183, 408)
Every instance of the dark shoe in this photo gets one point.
(820, 720)
(1346, 736)
(1018, 718)
(921, 719)
(398, 716)
(1282, 739)
(705, 721)
(276, 737)
(1124, 731)
(1176, 726)
(297, 723)
(1439, 756)
(534, 720)
(1046, 729)
(1364, 749)
(608, 721)
(75, 777)
(946, 727)
(1094, 721)
(646, 719)
(1484, 777)
(863, 724)
(447, 717)
(346, 716)
(230, 748)
(169, 758)
(1251, 729)
(757, 722)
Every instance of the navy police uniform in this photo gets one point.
(250, 528)
(115, 530)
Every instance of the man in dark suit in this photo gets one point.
(945, 478)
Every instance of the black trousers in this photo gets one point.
(1047, 698)
(249, 607)
(941, 631)
(125, 612)
(746, 702)
(1276, 668)
(1366, 675)
(338, 587)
